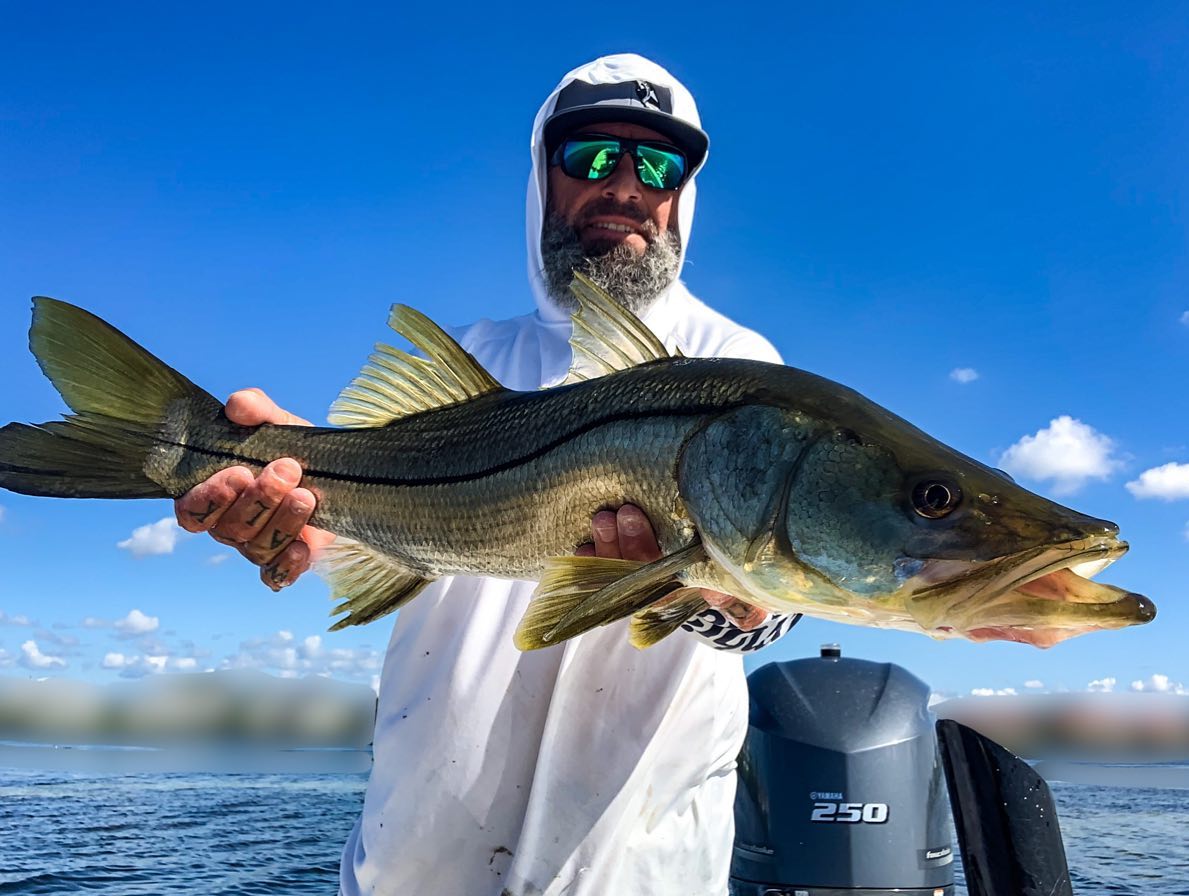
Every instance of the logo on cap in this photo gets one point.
(646, 94)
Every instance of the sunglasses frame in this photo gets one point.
(626, 147)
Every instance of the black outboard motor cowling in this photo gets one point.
(841, 788)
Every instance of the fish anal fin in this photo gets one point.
(369, 584)
(577, 594)
(660, 620)
(395, 384)
(606, 336)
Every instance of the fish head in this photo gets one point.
(879, 524)
(962, 549)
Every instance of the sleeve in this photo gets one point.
(720, 633)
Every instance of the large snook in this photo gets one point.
(767, 482)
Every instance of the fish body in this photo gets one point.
(781, 487)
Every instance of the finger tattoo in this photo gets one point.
(202, 517)
(278, 539)
(259, 513)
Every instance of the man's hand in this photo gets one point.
(628, 535)
(264, 517)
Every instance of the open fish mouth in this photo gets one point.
(1039, 597)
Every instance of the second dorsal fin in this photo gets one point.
(395, 384)
(606, 336)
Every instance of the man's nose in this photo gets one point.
(623, 184)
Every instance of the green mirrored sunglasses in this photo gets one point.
(661, 166)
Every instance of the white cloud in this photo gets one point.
(140, 665)
(2, 512)
(156, 538)
(993, 692)
(1185, 318)
(92, 622)
(217, 559)
(1067, 452)
(33, 658)
(1160, 684)
(963, 375)
(1033, 684)
(1168, 483)
(19, 619)
(1102, 685)
(137, 623)
(286, 655)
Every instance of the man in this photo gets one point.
(589, 768)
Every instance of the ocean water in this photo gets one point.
(250, 833)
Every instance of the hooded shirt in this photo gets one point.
(588, 768)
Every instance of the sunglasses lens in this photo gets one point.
(590, 159)
(660, 168)
(658, 165)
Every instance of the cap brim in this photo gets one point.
(689, 139)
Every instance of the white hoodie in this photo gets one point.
(586, 769)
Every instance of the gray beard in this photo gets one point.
(633, 280)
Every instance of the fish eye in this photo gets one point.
(933, 499)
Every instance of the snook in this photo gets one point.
(781, 487)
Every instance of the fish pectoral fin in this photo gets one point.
(368, 583)
(665, 616)
(395, 384)
(606, 336)
(577, 594)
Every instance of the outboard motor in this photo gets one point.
(841, 788)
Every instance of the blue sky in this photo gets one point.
(894, 193)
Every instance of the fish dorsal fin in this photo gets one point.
(607, 337)
(395, 384)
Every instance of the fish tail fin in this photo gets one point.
(123, 400)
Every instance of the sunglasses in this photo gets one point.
(661, 166)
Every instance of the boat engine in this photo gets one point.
(841, 787)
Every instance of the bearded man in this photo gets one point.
(589, 768)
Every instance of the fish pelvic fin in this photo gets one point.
(395, 384)
(657, 622)
(369, 584)
(606, 336)
(122, 397)
(577, 594)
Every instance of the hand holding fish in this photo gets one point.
(264, 517)
(628, 535)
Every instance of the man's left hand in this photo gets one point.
(628, 535)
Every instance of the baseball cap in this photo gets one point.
(635, 102)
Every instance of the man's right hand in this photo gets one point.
(264, 517)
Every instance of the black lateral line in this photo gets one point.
(335, 476)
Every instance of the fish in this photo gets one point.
(786, 489)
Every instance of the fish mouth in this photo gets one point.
(1041, 596)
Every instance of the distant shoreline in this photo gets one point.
(126, 760)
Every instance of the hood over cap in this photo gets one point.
(651, 97)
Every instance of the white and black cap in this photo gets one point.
(636, 102)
